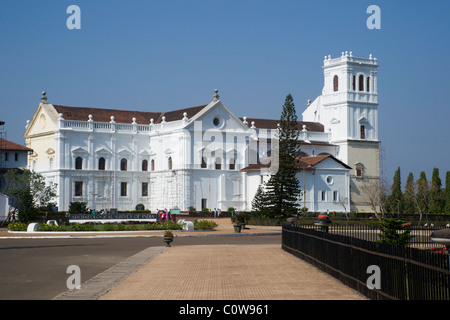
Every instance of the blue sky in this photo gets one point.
(169, 54)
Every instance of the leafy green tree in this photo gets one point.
(447, 192)
(26, 207)
(283, 188)
(409, 195)
(21, 183)
(436, 195)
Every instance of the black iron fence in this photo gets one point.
(371, 232)
(404, 273)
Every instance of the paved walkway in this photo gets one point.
(229, 272)
(206, 272)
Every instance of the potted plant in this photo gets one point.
(168, 237)
(242, 219)
(237, 227)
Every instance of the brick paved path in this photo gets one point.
(230, 272)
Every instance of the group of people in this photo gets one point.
(103, 211)
(215, 213)
(164, 215)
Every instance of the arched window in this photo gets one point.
(152, 164)
(359, 170)
(361, 83)
(204, 165)
(354, 83)
(368, 84)
(101, 163)
(144, 165)
(218, 163)
(169, 163)
(123, 164)
(78, 163)
(336, 83)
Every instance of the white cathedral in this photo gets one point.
(208, 157)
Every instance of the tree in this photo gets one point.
(396, 198)
(259, 202)
(27, 208)
(78, 207)
(19, 185)
(422, 194)
(376, 195)
(283, 188)
(395, 232)
(447, 192)
(410, 193)
(436, 196)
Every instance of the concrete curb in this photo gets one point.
(96, 235)
(102, 283)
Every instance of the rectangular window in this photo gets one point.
(16, 157)
(204, 203)
(359, 172)
(123, 189)
(6, 156)
(78, 188)
(335, 196)
(323, 195)
(363, 132)
(144, 189)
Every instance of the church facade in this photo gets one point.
(206, 156)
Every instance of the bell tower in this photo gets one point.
(348, 109)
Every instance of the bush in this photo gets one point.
(204, 225)
(83, 227)
(170, 225)
(18, 226)
(49, 227)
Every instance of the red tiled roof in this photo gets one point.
(305, 163)
(273, 124)
(11, 146)
(123, 116)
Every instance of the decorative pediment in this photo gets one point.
(363, 120)
(103, 151)
(124, 152)
(144, 153)
(218, 117)
(335, 121)
(79, 150)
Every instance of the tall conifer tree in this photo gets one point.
(396, 198)
(283, 188)
(423, 193)
(447, 192)
(436, 196)
(410, 193)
